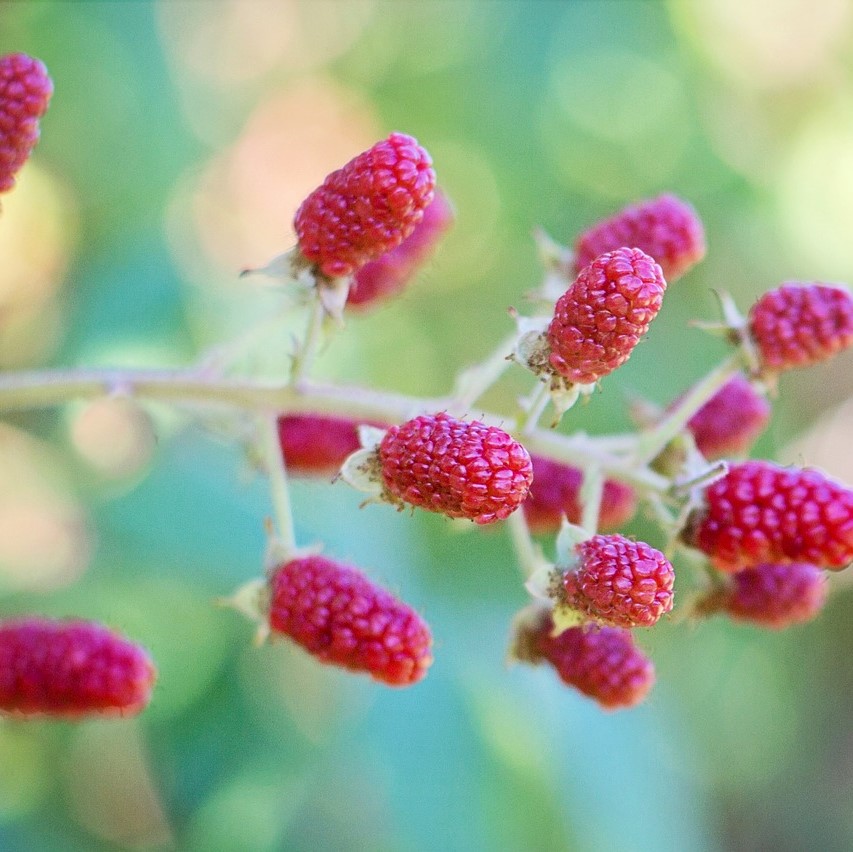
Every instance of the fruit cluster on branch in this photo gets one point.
(766, 534)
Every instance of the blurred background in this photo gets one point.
(180, 140)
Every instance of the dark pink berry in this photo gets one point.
(388, 274)
(797, 325)
(601, 662)
(665, 228)
(619, 582)
(25, 90)
(761, 512)
(317, 444)
(367, 207)
(71, 669)
(462, 469)
(335, 613)
(729, 423)
(775, 596)
(601, 318)
(556, 493)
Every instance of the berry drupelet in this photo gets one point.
(316, 444)
(556, 493)
(619, 582)
(729, 423)
(71, 669)
(770, 595)
(666, 228)
(797, 325)
(601, 662)
(462, 469)
(603, 315)
(337, 614)
(366, 208)
(25, 90)
(761, 512)
(388, 274)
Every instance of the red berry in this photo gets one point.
(557, 492)
(460, 469)
(71, 669)
(760, 512)
(776, 596)
(335, 613)
(389, 273)
(797, 325)
(25, 91)
(366, 208)
(620, 582)
(730, 421)
(666, 228)
(317, 444)
(600, 319)
(601, 662)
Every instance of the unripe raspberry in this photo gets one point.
(601, 662)
(729, 423)
(462, 469)
(317, 444)
(761, 512)
(367, 207)
(600, 319)
(388, 274)
(771, 595)
(797, 325)
(620, 582)
(556, 493)
(335, 613)
(25, 90)
(71, 669)
(665, 228)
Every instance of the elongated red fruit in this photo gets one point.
(71, 669)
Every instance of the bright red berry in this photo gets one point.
(317, 444)
(619, 582)
(761, 512)
(797, 325)
(335, 613)
(730, 421)
(25, 90)
(601, 662)
(366, 208)
(772, 595)
(600, 319)
(556, 493)
(71, 669)
(388, 274)
(665, 228)
(462, 469)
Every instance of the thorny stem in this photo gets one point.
(44, 389)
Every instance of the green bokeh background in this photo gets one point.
(536, 113)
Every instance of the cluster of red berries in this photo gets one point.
(769, 532)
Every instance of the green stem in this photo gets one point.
(279, 487)
(43, 389)
(304, 358)
(474, 381)
(530, 558)
(675, 421)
